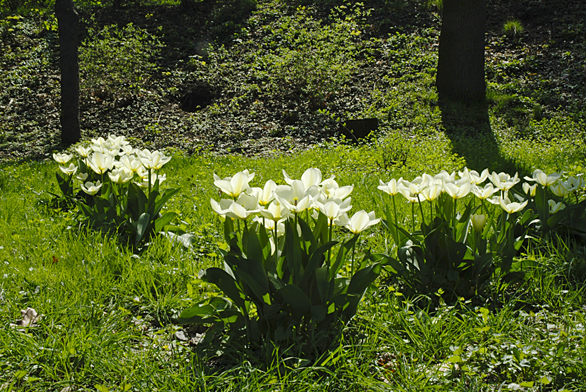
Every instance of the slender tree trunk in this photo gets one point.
(460, 70)
(68, 21)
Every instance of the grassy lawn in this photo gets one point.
(108, 316)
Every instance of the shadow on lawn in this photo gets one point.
(469, 130)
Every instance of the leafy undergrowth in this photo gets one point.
(258, 77)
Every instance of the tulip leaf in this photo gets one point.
(164, 220)
(341, 256)
(164, 198)
(142, 225)
(297, 300)
(315, 261)
(225, 282)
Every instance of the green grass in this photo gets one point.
(108, 315)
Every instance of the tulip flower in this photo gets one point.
(83, 151)
(361, 221)
(91, 188)
(70, 170)
(100, 163)
(432, 192)
(121, 175)
(131, 163)
(234, 186)
(270, 226)
(62, 158)
(555, 207)
(559, 189)
(337, 192)
(266, 194)
(544, 179)
(391, 187)
(504, 181)
(276, 211)
(126, 150)
(459, 189)
(296, 197)
(484, 193)
(81, 176)
(478, 222)
(154, 178)
(152, 160)
(445, 177)
(99, 142)
(310, 177)
(511, 207)
(473, 176)
(577, 182)
(333, 208)
(530, 190)
(570, 185)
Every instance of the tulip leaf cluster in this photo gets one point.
(115, 188)
(285, 278)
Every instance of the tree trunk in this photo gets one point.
(460, 70)
(68, 22)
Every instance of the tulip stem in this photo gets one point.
(421, 209)
(431, 211)
(353, 252)
(394, 208)
(149, 187)
(329, 239)
(412, 217)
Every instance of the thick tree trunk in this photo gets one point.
(68, 21)
(460, 70)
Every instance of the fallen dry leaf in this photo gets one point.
(29, 318)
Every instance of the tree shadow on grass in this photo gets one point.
(469, 130)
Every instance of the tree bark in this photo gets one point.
(68, 22)
(460, 70)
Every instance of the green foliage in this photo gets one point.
(116, 64)
(227, 18)
(294, 295)
(310, 58)
(513, 28)
(299, 57)
(448, 257)
(131, 213)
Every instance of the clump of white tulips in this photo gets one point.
(274, 203)
(456, 245)
(118, 187)
(282, 259)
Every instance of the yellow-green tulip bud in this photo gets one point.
(478, 222)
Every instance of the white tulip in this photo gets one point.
(544, 179)
(234, 186)
(91, 188)
(62, 158)
(555, 207)
(70, 170)
(361, 221)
